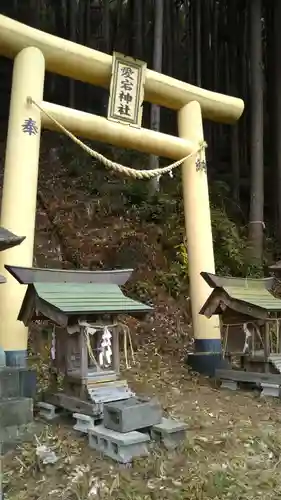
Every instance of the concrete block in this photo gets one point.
(47, 410)
(268, 389)
(85, 422)
(121, 447)
(131, 414)
(229, 384)
(170, 432)
(27, 381)
(17, 382)
(15, 411)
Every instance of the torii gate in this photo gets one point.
(35, 52)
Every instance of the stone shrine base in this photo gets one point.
(16, 410)
(126, 429)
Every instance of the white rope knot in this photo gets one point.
(201, 158)
(117, 167)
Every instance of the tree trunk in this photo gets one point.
(157, 66)
(277, 121)
(243, 89)
(198, 45)
(232, 71)
(169, 39)
(72, 25)
(105, 46)
(207, 69)
(256, 224)
(137, 29)
(106, 27)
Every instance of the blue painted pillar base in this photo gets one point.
(16, 358)
(207, 357)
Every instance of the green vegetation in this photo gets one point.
(131, 199)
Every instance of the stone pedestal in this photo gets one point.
(17, 382)
(16, 410)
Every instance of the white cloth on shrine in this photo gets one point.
(105, 354)
(53, 344)
(106, 351)
(248, 335)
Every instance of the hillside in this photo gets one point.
(89, 218)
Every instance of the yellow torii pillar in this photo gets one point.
(18, 209)
(207, 341)
(30, 47)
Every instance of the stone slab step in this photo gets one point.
(47, 410)
(272, 390)
(85, 422)
(170, 432)
(121, 447)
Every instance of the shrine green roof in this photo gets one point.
(89, 297)
(259, 297)
(61, 300)
(251, 297)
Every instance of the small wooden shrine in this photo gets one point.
(250, 319)
(83, 308)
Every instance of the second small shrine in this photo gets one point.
(250, 315)
(83, 308)
(250, 319)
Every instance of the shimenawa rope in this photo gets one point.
(117, 167)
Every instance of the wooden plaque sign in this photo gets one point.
(126, 90)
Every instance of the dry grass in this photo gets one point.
(232, 449)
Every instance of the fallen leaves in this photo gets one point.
(232, 449)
